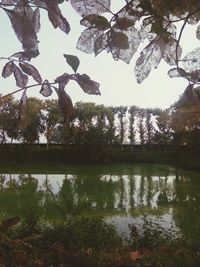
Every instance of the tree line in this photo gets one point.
(98, 124)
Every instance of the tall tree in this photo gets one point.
(31, 124)
(132, 118)
(121, 114)
(52, 118)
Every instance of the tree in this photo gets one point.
(163, 134)
(8, 119)
(52, 118)
(121, 33)
(132, 111)
(31, 125)
(141, 126)
(121, 113)
(149, 126)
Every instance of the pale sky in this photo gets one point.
(118, 84)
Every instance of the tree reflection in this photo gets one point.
(138, 193)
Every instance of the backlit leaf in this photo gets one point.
(7, 69)
(87, 39)
(101, 43)
(46, 89)
(86, 7)
(191, 62)
(73, 61)
(149, 58)
(174, 73)
(20, 78)
(127, 54)
(31, 70)
(170, 52)
(89, 86)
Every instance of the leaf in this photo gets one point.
(89, 86)
(174, 73)
(119, 40)
(22, 22)
(36, 19)
(63, 80)
(26, 55)
(86, 7)
(46, 89)
(191, 62)
(7, 69)
(73, 61)
(124, 23)
(149, 58)
(198, 32)
(101, 43)
(97, 21)
(65, 103)
(170, 52)
(127, 54)
(31, 70)
(20, 78)
(87, 39)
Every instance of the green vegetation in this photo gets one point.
(83, 241)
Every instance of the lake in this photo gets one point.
(122, 194)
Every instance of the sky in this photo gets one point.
(118, 84)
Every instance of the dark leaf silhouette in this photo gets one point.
(63, 80)
(124, 23)
(24, 25)
(36, 19)
(7, 69)
(89, 86)
(26, 55)
(46, 89)
(97, 21)
(198, 32)
(54, 14)
(73, 61)
(31, 70)
(119, 40)
(86, 7)
(65, 103)
(20, 78)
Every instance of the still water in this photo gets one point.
(122, 194)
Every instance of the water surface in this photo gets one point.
(122, 194)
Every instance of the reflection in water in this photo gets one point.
(120, 198)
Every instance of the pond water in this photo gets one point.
(122, 194)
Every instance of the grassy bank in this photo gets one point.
(90, 242)
(58, 155)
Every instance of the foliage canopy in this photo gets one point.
(149, 22)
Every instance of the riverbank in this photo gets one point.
(59, 155)
(90, 242)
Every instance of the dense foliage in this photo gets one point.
(98, 125)
(152, 24)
